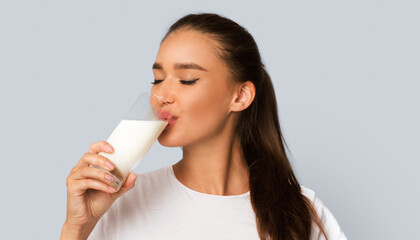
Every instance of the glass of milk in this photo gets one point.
(135, 134)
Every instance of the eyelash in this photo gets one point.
(156, 82)
(181, 81)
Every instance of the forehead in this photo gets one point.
(189, 46)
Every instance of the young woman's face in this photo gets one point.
(193, 79)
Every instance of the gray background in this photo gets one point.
(346, 74)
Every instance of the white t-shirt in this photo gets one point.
(161, 207)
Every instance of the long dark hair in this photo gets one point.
(281, 210)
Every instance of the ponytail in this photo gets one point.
(282, 212)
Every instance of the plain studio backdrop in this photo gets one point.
(346, 75)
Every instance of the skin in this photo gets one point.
(89, 193)
(206, 111)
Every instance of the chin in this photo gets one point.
(165, 139)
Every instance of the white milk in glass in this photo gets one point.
(131, 139)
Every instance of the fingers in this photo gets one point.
(94, 173)
(95, 160)
(101, 146)
(83, 177)
(130, 182)
(79, 187)
(78, 177)
(128, 185)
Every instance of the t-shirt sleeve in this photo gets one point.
(331, 225)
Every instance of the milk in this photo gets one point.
(131, 139)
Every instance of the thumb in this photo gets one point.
(128, 185)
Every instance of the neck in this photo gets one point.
(214, 167)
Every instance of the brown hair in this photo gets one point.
(282, 211)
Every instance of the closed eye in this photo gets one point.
(185, 82)
(191, 82)
(156, 82)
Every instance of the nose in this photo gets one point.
(168, 99)
(166, 92)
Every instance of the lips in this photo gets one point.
(167, 117)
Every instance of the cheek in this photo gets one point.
(203, 113)
(206, 112)
(200, 117)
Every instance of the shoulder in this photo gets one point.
(331, 225)
(154, 177)
(150, 184)
(309, 193)
(149, 188)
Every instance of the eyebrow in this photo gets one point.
(182, 66)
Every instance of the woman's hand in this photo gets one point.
(89, 191)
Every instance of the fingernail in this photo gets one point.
(112, 189)
(109, 165)
(109, 148)
(109, 178)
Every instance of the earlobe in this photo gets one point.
(245, 96)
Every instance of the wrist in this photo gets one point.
(72, 231)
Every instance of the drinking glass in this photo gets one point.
(135, 134)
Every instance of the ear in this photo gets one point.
(243, 96)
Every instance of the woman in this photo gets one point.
(234, 180)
